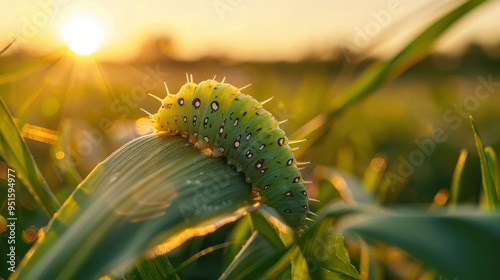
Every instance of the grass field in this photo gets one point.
(402, 162)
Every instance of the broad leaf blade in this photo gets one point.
(15, 152)
(446, 242)
(456, 245)
(154, 189)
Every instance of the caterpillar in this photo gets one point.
(218, 117)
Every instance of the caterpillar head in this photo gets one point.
(166, 118)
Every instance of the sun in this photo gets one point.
(82, 33)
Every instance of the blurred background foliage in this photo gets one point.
(102, 113)
(74, 111)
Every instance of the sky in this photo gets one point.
(242, 29)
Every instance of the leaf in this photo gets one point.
(449, 243)
(326, 254)
(282, 259)
(255, 257)
(240, 233)
(15, 152)
(457, 177)
(488, 170)
(157, 268)
(491, 159)
(145, 199)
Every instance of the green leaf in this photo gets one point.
(488, 170)
(241, 232)
(281, 259)
(145, 199)
(255, 257)
(326, 254)
(147, 270)
(491, 159)
(157, 268)
(15, 152)
(449, 243)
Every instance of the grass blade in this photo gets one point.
(15, 152)
(8, 46)
(491, 159)
(457, 177)
(488, 170)
(379, 73)
(247, 263)
(147, 198)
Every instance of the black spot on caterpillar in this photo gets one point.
(253, 143)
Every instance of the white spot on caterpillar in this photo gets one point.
(180, 101)
(296, 179)
(237, 141)
(289, 162)
(249, 135)
(215, 106)
(235, 122)
(281, 141)
(262, 147)
(206, 139)
(196, 103)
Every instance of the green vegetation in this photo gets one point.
(394, 201)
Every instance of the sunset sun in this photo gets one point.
(82, 33)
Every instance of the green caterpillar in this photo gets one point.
(218, 117)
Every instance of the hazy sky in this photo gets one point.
(246, 29)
